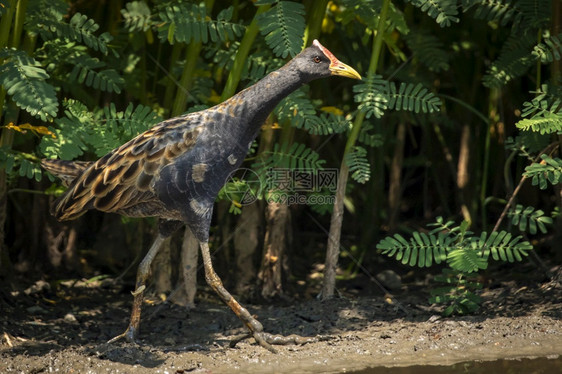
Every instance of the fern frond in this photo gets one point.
(372, 95)
(18, 162)
(443, 11)
(366, 137)
(69, 142)
(546, 124)
(285, 156)
(457, 292)
(329, 123)
(428, 50)
(549, 50)
(283, 27)
(529, 219)
(185, 22)
(120, 127)
(413, 97)
(79, 29)
(466, 259)
(514, 61)
(298, 109)
(422, 249)
(25, 81)
(545, 111)
(105, 80)
(502, 246)
(499, 11)
(535, 14)
(44, 14)
(541, 106)
(358, 164)
(137, 16)
(549, 170)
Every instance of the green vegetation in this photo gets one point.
(460, 104)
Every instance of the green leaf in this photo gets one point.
(137, 16)
(25, 81)
(372, 95)
(428, 50)
(283, 27)
(413, 97)
(358, 164)
(444, 11)
(186, 23)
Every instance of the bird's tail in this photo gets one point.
(67, 171)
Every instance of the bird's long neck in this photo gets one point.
(255, 103)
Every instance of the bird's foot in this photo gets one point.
(267, 340)
(129, 335)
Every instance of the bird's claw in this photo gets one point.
(267, 340)
(129, 335)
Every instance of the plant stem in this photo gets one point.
(242, 54)
(188, 73)
(333, 247)
(5, 25)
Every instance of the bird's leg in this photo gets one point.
(256, 328)
(142, 274)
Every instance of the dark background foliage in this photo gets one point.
(459, 100)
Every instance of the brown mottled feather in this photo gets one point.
(121, 181)
(67, 171)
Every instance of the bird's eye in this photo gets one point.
(317, 59)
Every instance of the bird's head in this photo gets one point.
(317, 61)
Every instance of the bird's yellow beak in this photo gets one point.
(339, 68)
(336, 66)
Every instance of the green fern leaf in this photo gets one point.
(69, 142)
(283, 27)
(499, 11)
(295, 156)
(137, 16)
(119, 127)
(105, 80)
(502, 246)
(535, 14)
(545, 172)
(466, 259)
(413, 98)
(298, 109)
(421, 250)
(529, 219)
(25, 81)
(185, 22)
(366, 137)
(546, 124)
(358, 164)
(444, 11)
(329, 123)
(549, 50)
(428, 49)
(372, 95)
(80, 29)
(514, 60)
(13, 162)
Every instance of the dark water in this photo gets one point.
(523, 366)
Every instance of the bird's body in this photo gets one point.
(175, 170)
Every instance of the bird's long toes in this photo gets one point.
(130, 335)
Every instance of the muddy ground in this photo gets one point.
(61, 327)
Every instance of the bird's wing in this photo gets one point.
(124, 177)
